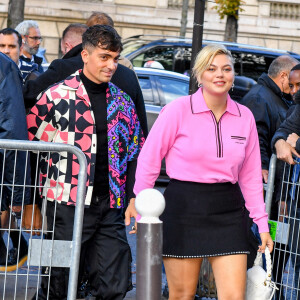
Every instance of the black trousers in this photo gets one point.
(105, 250)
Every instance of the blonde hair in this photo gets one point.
(205, 57)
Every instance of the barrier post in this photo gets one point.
(149, 204)
(43, 252)
(270, 185)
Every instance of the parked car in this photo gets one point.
(160, 87)
(174, 54)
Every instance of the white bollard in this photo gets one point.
(149, 204)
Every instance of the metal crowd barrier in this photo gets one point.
(286, 230)
(44, 253)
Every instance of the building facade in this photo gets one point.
(270, 23)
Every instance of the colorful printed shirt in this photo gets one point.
(63, 115)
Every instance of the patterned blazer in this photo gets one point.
(63, 114)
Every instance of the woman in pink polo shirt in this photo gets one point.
(212, 154)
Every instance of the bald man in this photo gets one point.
(72, 36)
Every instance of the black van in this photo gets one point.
(174, 54)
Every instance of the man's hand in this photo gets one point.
(16, 209)
(265, 174)
(284, 151)
(292, 139)
(283, 212)
(131, 213)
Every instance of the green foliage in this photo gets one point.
(228, 7)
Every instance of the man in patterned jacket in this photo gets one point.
(88, 111)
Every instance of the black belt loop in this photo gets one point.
(96, 200)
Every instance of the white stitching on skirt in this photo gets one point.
(202, 256)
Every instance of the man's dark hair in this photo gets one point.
(103, 36)
(296, 68)
(10, 31)
(76, 28)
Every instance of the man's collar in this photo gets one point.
(73, 82)
(198, 104)
(73, 52)
(24, 57)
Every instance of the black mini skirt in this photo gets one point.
(204, 220)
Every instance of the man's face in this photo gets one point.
(284, 76)
(9, 46)
(99, 64)
(294, 82)
(32, 41)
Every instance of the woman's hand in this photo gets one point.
(266, 240)
(131, 213)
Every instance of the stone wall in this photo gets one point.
(267, 23)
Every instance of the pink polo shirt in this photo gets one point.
(199, 149)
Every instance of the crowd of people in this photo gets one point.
(217, 155)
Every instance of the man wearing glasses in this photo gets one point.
(32, 39)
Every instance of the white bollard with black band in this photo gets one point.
(150, 204)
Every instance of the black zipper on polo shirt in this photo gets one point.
(219, 142)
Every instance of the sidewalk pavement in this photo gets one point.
(19, 292)
(21, 286)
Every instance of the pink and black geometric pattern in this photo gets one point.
(63, 115)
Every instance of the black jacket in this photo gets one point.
(290, 125)
(269, 108)
(60, 69)
(12, 126)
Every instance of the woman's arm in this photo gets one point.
(159, 141)
(250, 180)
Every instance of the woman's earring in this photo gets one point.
(199, 85)
(232, 86)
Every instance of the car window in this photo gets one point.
(182, 60)
(237, 57)
(132, 46)
(253, 65)
(164, 55)
(147, 91)
(138, 61)
(173, 88)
